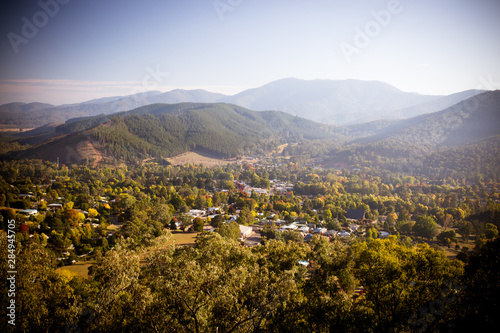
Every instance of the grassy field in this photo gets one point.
(184, 238)
(81, 268)
(451, 253)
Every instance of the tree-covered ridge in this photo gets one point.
(464, 123)
(163, 130)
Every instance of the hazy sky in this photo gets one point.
(83, 49)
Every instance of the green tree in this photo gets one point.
(47, 299)
(185, 220)
(217, 221)
(217, 286)
(490, 231)
(173, 225)
(245, 216)
(122, 300)
(425, 227)
(447, 237)
(198, 224)
(162, 213)
(477, 307)
(398, 280)
(465, 228)
(229, 230)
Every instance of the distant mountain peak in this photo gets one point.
(338, 102)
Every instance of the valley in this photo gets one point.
(168, 203)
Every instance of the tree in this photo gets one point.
(293, 236)
(245, 216)
(200, 202)
(173, 224)
(398, 280)
(162, 213)
(185, 220)
(425, 227)
(230, 230)
(331, 270)
(490, 231)
(122, 300)
(404, 216)
(478, 307)
(333, 225)
(391, 218)
(217, 221)
(465, 228)
(93, 213)
(447, 237)
(47, 299)
(218, 286)
(198, 224)
(73, 217)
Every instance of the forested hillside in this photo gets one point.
(464, 123)
(162, 130)
(462, 141)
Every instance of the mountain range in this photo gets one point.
(228, 130)
(338, 102)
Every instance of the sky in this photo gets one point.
(69, 51)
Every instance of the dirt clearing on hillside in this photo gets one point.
(87, 150)
(195, 158)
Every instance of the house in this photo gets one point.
(54, 206)
(212, 210)
(355, 214)
(331, 233)
(304, 263)
(320, 231)
(245, 231)
(304, 229)
(344, 233)
(29, 212)
(196, 212)
(353, 227)
(289, 227)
